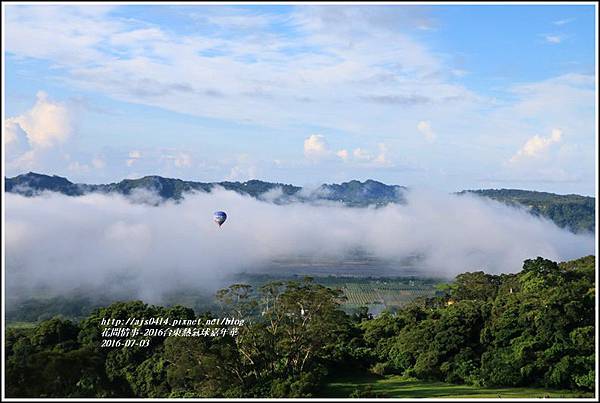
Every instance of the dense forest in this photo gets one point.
(573, 212)
(535, 327)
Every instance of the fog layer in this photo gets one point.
(102, 240)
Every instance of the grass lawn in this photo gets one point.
(398, 387)
(21, 325)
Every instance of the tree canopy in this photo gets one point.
(535, 327)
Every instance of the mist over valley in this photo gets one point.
(148, 242)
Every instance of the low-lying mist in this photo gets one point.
(105, 241)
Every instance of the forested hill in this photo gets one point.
(572, 211)
(534, 328)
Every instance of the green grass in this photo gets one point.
(21, 325)
(401, 387)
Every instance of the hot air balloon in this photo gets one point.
(219, 217)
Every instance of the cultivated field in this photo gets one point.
(389, 293)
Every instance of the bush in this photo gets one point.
(380, 368)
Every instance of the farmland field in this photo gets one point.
(376, 293)
(390, 293)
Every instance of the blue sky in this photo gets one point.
(449, 97)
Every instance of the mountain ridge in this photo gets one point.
(571, 211)
(353, 193)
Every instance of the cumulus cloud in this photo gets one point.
(15, 139)
(361, 154)
(537, 146)
(244, 168)
(84, 166)
(46, 124)
(365, 157)
(316, 72)
(179, 159)
(78, 167)
(424, 127)
(101, 240)
(35, 139)
(183, 160)
(242, 172)
(343, 154)
(315, 147)
(381, 158)
(133, 155)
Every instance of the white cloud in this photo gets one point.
(426, 26)
(564, 21)
(11, 135)
(364, 157)
(15, 139)
(179, 159)
(29, 160)
(536, 146)
(568, 97)
(343, 154)
(98, 162)
(315, 147)
(459, 72)
(230, 21)
(243, 168)
(567, 102)
(358, 69)
(381, 158)
(134, 155)
(242, 173)
(111, 236)
(46, 124)
(553, 38)
(36, 138)
(331, 56)
(424, 127)
(67, 35)
(183, 160)
(137, 37)
(361, 154)
(78, 167)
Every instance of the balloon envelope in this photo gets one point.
(219, 217)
